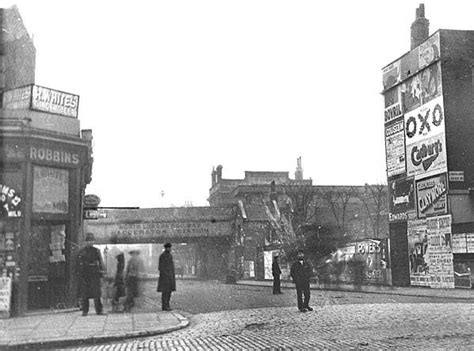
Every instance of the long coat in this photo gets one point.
(166, 281)
(276, 271)
(90, 270)
(301, 274)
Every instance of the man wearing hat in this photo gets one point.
(166, 281)
(276, 271)
(133, 274)
(300, 273)
(90, 270)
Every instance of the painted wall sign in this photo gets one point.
(425, 121)
(54, 101)
(54, 156)
(395, 148)
(391, 75)
(17, 99)
(431, 194)
(50, 190)
(427, 157)
(9, 202)
(402, 199)
(456, 176)
(417, 251)
(429, 50)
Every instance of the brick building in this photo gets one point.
(428, 95)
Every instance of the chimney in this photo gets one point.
(420, 29)
(219, 173)
(213, 176)
(299, 169)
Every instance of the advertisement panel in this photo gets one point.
(431, 195)
(54, 101)
(402, 200)
(470, 242)
(440, 252)
(50, 190)
(393, 104)
(10, 201)
(459, 242)
(425, 121)
(417, 250)
(410, 63)
(391, 75)
(17, 99)
(429, 50)
(427, 157)
(411, 93)
(395, 148)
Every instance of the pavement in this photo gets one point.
(55, 329)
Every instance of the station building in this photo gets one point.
(45, 163)
(429, 137)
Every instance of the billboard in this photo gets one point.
(410, 63)
(425, 121)
(417, 251)
(431, 195)
(429, 50)
(393, 104)
(402, 200)
(395, 148)
(427, 156)
(391, 75)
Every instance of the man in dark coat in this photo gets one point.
(134, 273)
(90, 270)
(276, 271)
(300, 273)
(166, 281)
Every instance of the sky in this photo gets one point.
(172, 89)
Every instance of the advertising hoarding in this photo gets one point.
(402, 200)
(431, 195)
(417, 251)
(395, 148)
(410, 63)
(393, 104)
(391, 75)
(459, 242)
(427, 157)
(17, 99)
(429, 50)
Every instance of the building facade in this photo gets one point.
(430, 170)
(45, 163)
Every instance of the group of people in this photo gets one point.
(301, 273)
(125, 280)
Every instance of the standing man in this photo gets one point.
(276, 271)
(166, 281)
(135, 270)
(90, 270)
(300, 273)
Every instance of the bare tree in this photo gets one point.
(338, 200)
(374, 199)
(301, 205)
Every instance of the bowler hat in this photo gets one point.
(90, 237)
(167, 245)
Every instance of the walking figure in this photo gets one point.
(276, 271)
(134, 272)
(300, 273)
(90, 270)
(166, 280)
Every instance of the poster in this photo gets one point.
(391, 75)
(410, 63)
(57, 244)
(411, 93)
(440, 252)
(393, 104)
(401, 199)
(427, 157)
(417, 250)
(429, 50)
(50, 190)
(470, 242)
(459, 242)
(395, 148)
(431, 195)
(5, 296)
(425, 121)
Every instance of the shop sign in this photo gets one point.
(427, 157)
(429, 50)
(54, 101)
(17, 99)
(431, 194)
(456, 176)
(402, 199)
(57, 156)
(9, 202)
(391, 75)
(91, 201)
(425, 121)
(395, 148)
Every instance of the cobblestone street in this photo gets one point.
(339, 321)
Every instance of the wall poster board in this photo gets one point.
(417, 251)
(50, 190)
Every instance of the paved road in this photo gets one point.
(225, 317)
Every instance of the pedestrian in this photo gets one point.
(300, 273)
(276, 271)
(166, 280)
(115, 269)
(90, 271)
(134, 272)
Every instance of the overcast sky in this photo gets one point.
(173, 88)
